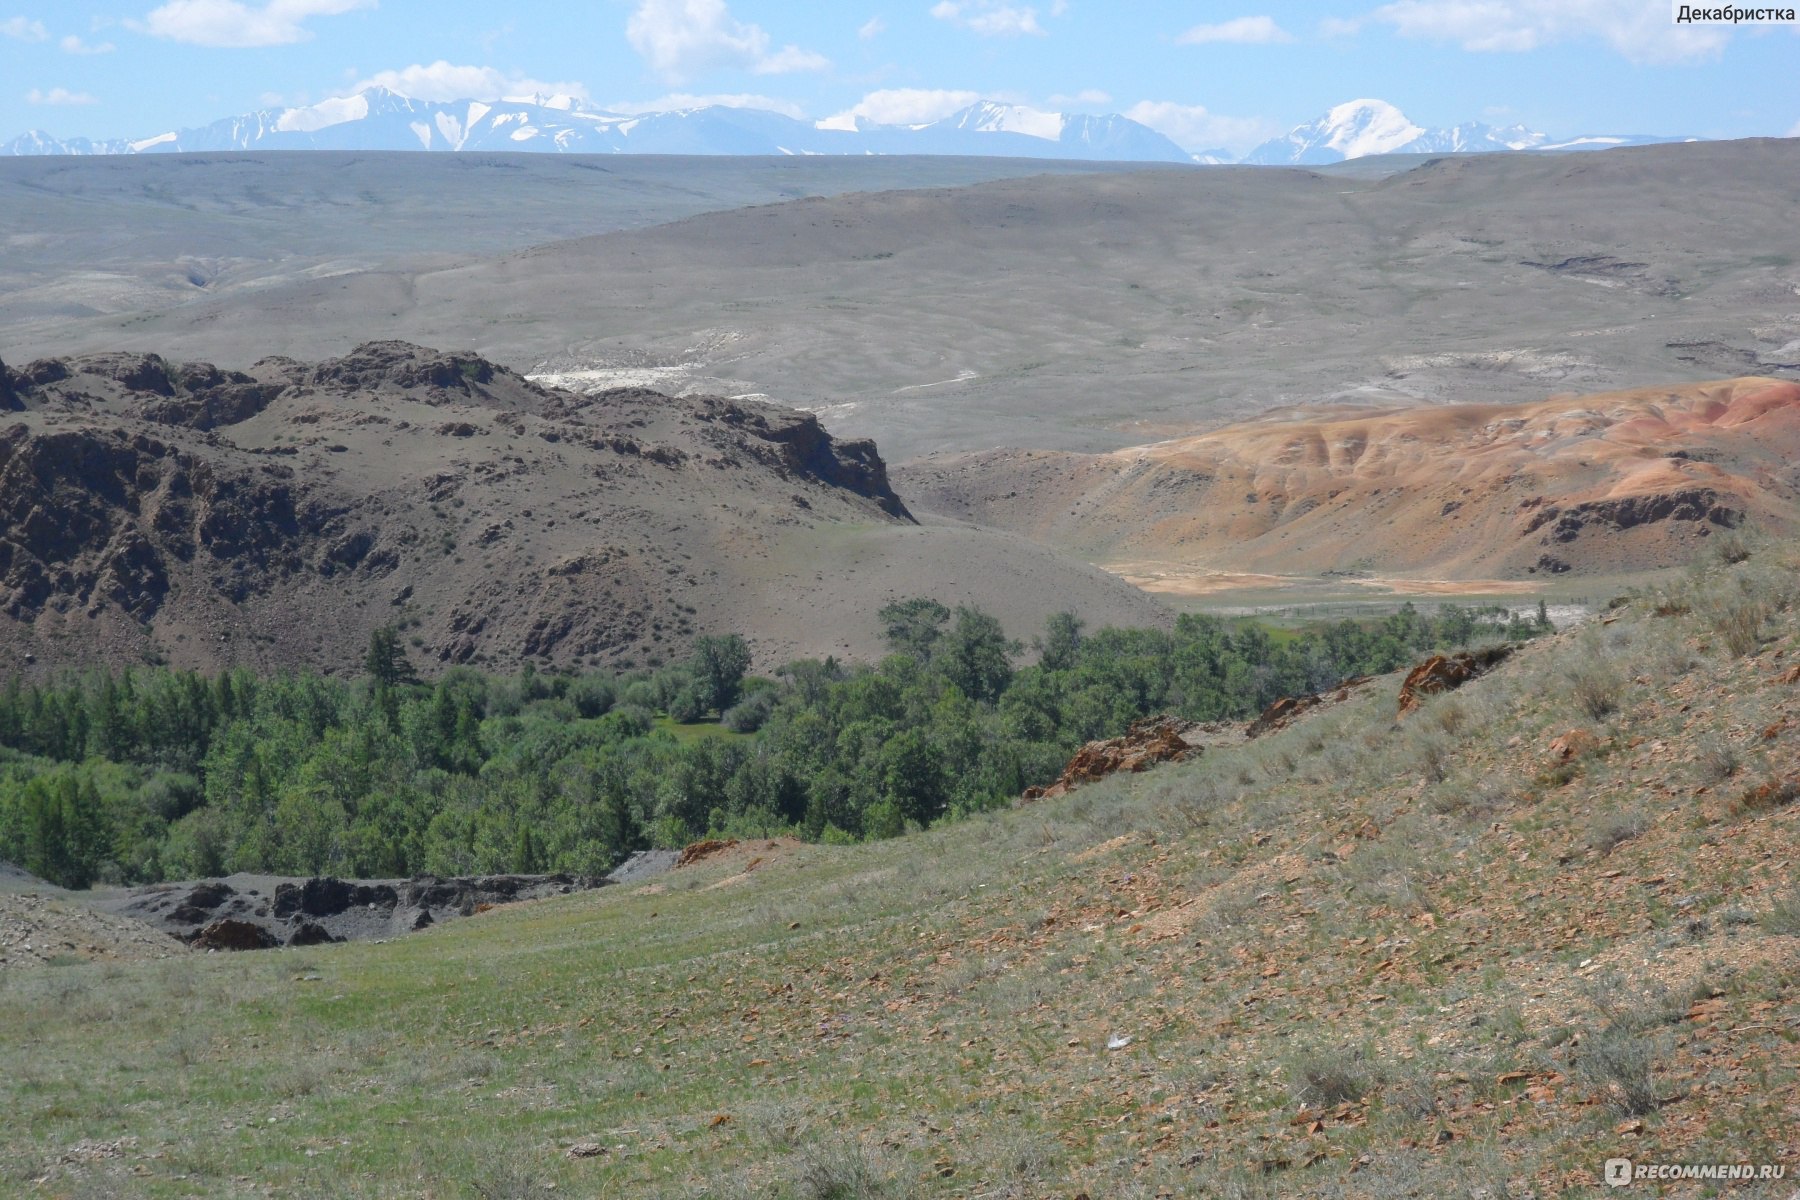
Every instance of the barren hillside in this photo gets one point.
(1605, 484)
(1081, 313)
(161, 511)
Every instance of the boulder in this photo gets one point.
(1573, 744)
(1446, 673)
(311, 933)
(234, 935)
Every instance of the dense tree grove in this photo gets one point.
(159, 774)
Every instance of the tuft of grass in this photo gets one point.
(846, 1171)
(508, 1177)
(1732, 547)
(1322, 1075)
(1595, 686)
(1784, 915)
(1719, 760)
(1613, 829)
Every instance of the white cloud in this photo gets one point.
(449, 81)
(788, 60)
(25, 30)
(1795, 131)
(59, 96)
(1193, 127)
(1086, 97)
(1245, 31)
(902, 106)
(74, 45)
(229, 23)
(676, 101)
(1641, 32)
(871, 29)
(682, 38)
(990, 18)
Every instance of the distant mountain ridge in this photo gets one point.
(1361, 128)
(379, 119)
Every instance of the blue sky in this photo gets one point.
(1206, 74)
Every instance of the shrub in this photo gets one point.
(1784, 915)
(1596, 685)
(1739, 623)
(1767, 796)
(1621, 1060)
(748, 715)
(687, 706)
(1718, 762)
(845, 1172)
(593, 695)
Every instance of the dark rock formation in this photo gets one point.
(233, 934)
(1627, 512)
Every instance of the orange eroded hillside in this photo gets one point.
(1600, 484)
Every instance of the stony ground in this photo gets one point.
(41, 924)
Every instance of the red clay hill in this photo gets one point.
(1609, 483)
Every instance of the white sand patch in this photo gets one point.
(961, 377)
(601, 379)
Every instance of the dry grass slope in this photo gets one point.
(1356, 958)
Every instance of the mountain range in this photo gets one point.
(1361, 128)
(379, 119)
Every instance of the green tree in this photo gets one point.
(718, 665)
(974, 655)
(914, 626)
(912, 776)
(1062, 641)
(386, 661)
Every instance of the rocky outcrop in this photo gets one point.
(701, 851)
(92, 517)
(1628, 512)
(181, 511)
(256, 912)
(1147, 743)
(1446, 673)
(1282, 713)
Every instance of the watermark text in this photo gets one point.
(1622, 1172)
(1731, 14)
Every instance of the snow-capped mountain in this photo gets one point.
(39, 142)
(379, 119)
(1364, 127)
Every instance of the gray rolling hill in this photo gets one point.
(1086, 311)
